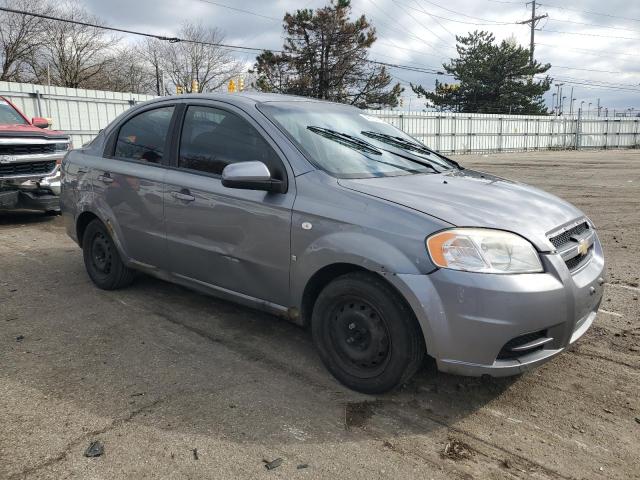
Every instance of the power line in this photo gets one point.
(589, 12)
(590, 70)
(594, 25)
(597, 53)
(420, 24)
(412, 68)
(588, 34)
(462, 21)
(462, 14)
(241, 10)
(434, 18)
(201, 42)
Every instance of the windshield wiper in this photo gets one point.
(346, 140)
(357, 144)
(408, 145)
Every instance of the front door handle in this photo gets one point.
(106, 178)
(184, 195)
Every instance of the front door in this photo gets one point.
(235, 239)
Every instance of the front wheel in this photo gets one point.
(101, 258)
(366, 334)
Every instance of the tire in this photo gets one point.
(366, 334)
(102, 260)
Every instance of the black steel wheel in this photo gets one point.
(102, 260)
(366, 334)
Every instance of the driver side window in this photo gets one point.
(214, 138)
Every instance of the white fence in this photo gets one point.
(82, 113)
(478, 133)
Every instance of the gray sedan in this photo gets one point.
(338, 221)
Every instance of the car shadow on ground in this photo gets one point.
(199, 365)
(25, 217)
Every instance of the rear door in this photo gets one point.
(129, 183)
(238, 240)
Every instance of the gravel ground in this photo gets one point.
(175, 384)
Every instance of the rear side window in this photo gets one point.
(144, 136)
(213, 138)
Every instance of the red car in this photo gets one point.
(30, 158)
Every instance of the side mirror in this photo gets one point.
(250, 176)
(40, 122)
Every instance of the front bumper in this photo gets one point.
(33, 194)
(470, 319)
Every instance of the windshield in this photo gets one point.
(9, 116)
(348, 143)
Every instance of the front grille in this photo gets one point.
(507, 352)
(578, 261)
(27, 149)
(565, 237)
(26, 168)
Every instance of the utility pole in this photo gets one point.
(599, 107)
(571, 103)
(533, 21)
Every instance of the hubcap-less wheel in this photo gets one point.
(102, 260)
(101, 253)
(359, 336)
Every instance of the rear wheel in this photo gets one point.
(366, 334)
(102, 260)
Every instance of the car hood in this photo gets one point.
(27, 131)
(466, 198)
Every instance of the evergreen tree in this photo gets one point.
(325, 55)
(491, 78)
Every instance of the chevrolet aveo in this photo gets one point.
(337, 220)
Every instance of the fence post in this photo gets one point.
(635, 134)
(578, 128)
(402, 122)
(606, 132)
(537, 134)
(453, 134)
(439, 132)
(500, 134)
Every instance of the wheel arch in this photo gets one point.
(325, 275)
(84, 219)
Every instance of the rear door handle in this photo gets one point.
(106, 178)
(184, 195)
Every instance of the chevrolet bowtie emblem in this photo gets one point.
(583, 247)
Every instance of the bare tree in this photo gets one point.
(198, 59)
(126, 72)
(76, 54)
(152, 51)
(20, 37)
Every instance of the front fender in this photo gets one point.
(354, 248)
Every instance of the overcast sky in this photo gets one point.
(601, 46)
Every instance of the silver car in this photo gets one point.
(336, 220)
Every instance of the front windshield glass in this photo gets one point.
(348, 143)
(9, 116)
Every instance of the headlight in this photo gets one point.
(483, 250)
(63, 147)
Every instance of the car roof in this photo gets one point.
(246, 98)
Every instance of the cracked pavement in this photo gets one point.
(155, 371)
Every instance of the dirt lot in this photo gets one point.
(179, 385)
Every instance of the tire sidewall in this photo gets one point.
(397, 317)
(104, 281)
